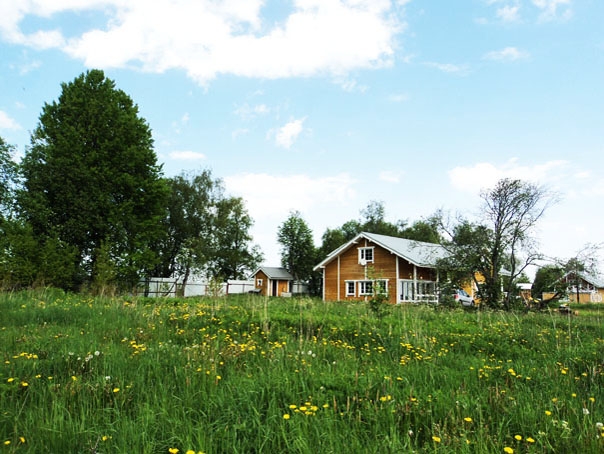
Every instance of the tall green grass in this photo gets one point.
(249, 374)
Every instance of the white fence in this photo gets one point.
(170, 287)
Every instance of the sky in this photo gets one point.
(322, 106)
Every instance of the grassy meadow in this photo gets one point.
(247, 374)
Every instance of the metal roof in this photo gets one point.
(275, 273)
(416, 252)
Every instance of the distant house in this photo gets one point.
(404, 269)
(272, 281)
(590, 288)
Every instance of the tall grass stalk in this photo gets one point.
(251, 374)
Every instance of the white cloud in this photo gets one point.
(187, 155)
(507, 54)
(270, 196)
(390, 176)
(484, 175)
(239, 132)
(554, 9)
(287, 134)
(269, 199)
(247, 112)
(449, 68)
(7, 122)
(207, 38)
(398, 97)
(509, 13)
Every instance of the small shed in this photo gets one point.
(273, 281)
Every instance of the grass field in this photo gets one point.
(248, 375)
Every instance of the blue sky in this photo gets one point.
(324, 105)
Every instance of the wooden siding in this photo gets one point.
(264, 286)
(346, 267)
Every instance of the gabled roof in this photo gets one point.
(276, 273)
(416, 252)
(589, 278)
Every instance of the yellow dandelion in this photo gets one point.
(530, 440)
(173, 450)
(74, 378)
(104, 438)
(7, 442)
(190, 451)
(518, 437)
(592, 399)
(24, 384)
(548, 413)
(508, 450)
(10, 380)
(116, 390)
(286, 416)
(22, 439)
(468, 419)
(436, 439)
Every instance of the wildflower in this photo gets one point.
(74, 378)
(116, 390)
(22, 439)
(468, 419)
(508, 450)
(173, 450)
(286, 416)
(518, 437)
(104, 438)
(599, 426)
(10, 380)
(24, 384)
(592, 399)
(585, 411)
(530, 440)
(7, 442)
(293, 406)
(190, 451)
(436, 439)
(548, 413)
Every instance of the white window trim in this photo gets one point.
(347, 283)
(363, 288)
(362, 259)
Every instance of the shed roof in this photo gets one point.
(416, 252)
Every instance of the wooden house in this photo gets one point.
(273, 281)
(590, 288)
(403, 269)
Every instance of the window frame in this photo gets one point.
(363, 254)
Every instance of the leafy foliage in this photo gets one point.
(501, 243)
(298, 253)
(91, 177)
(205, 231)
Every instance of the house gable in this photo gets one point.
(397, 264)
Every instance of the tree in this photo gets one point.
(548, 278)
(186, 246)
(8, 178)
(205, 231)
(91, 176)
(502, 241)
(426, 230)
(298, 254)
(234, 256)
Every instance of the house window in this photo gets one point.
(381, 286)
(258, 282)
(365, 288)
(365, 255)
(350, 288)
